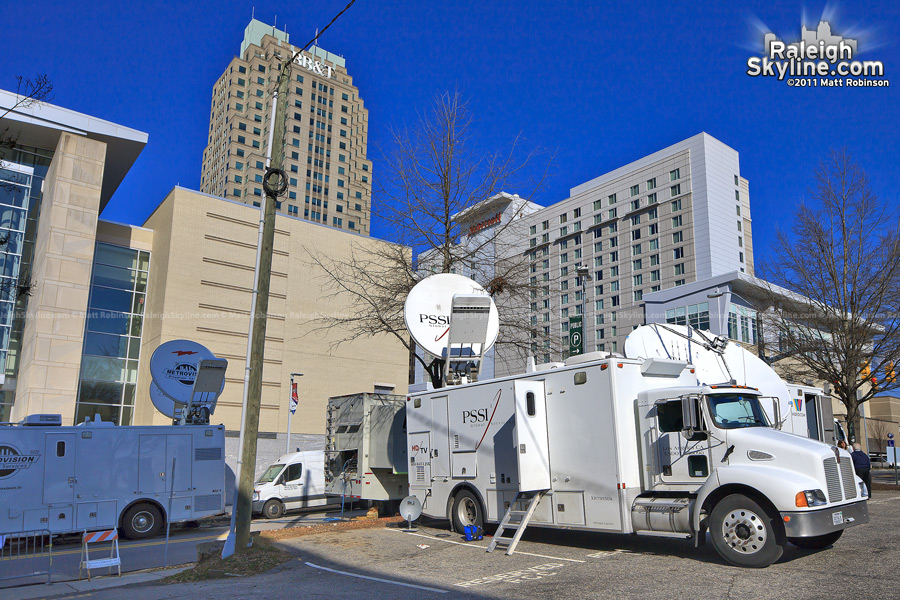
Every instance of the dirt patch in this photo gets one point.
(262, 556)
(886, 487)
(292, 532)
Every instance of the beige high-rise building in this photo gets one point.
(325, 158)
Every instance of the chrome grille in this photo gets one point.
(849, 480)
(832, 480)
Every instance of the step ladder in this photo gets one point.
(516, 521)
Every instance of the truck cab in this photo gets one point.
(715, 445)
(295, 480)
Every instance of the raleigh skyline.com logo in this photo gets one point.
(818, 59)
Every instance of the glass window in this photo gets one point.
(117, 256)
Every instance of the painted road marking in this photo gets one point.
(133, 545)
(518, 576)
(485, 547)
(411, 585)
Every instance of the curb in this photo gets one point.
(40, 590)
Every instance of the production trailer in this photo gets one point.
(627, 445)
(97, 475)
(365, 452)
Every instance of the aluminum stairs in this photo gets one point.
(515, 521)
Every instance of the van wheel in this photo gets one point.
(141, 521)
(818, 542)
(743, 533)
(466, 511)
(273, 509)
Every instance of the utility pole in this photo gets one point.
(275, 184)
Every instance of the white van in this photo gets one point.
(295, 480)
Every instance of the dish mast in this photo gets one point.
(455, 320)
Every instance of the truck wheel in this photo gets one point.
(743, 533)
(273, 509)
(818, 542)
(466, 511)
(141, 521)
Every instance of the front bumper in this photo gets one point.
(258, 506)
(826, 520)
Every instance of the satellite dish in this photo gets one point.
(410, 509)
(427, 311)
(173, 368)
(163, 403)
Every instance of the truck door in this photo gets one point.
(152, 464)
(532, 445)
(59, 468)
(682, 460)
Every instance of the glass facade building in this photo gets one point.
(112, 336)
(22, 173)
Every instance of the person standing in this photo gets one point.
(862, 465)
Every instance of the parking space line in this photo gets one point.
(484, 547)
(412, 585)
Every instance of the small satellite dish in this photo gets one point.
(427, 311)
(163, 403)
(173, 368)
(410, 509)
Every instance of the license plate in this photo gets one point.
(837, 518)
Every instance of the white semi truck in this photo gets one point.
(611, 444)
(96, 475)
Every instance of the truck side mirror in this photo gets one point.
(689, 417)
(776, 410)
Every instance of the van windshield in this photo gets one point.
(270, 474)
(733, 411)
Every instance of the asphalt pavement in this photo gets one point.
(433, 563)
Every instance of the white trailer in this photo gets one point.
(365, 451)
(605, 443)
(97, 475)
(294, 481)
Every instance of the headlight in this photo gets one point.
(862, 490)
(810, 498)
(255, 496)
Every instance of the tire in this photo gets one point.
(743, 533)
(467, 510)
(273, 509)
(818, 542)
(142, 521)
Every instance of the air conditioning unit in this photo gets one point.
(42, 421)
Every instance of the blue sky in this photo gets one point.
(600, 84)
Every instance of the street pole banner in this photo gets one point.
(294, 399)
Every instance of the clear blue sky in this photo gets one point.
(601, 84)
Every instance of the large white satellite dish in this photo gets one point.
(173, 368)
(427, 311)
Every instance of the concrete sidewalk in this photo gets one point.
(43, 590)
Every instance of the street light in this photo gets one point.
(584, 274)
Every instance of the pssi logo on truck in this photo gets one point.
(475, 416)
(435, 320)
(12, 461)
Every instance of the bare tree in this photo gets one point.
(842, 260)
(878, 431)
(433, 174)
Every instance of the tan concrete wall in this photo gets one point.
(129, 236)
(201, 277)
(64, 249)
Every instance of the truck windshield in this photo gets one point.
(732, 411)
(270, 474)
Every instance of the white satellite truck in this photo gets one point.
(96, 475)
(622, 445)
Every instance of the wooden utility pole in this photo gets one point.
(275, 183)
